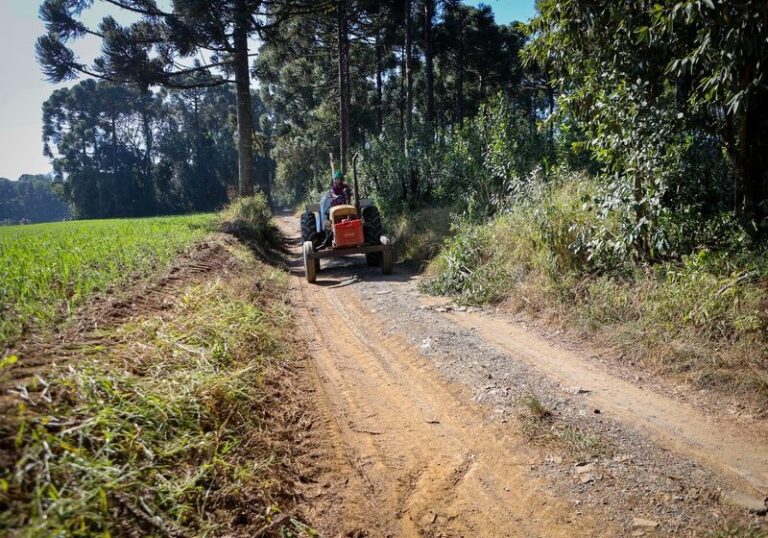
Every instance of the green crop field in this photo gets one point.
(48, 269)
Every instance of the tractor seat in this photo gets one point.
(341, 212)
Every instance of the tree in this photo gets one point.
(149, 52)
(30, 199)
(117, 151)
(344, 82)
(303, 81)
(720, 61)
(652, 84)
(429, 14)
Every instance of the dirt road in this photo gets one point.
(420, 412)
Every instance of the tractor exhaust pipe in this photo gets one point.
(354, 179)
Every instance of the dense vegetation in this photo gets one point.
(46, 270)
(410, 84)
(30, 199)
(119, 152)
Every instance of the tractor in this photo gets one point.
(347, 229)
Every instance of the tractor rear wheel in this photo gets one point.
(310, 264)
(387, 256)
(309, 228)
(372, 227)
(372, 230)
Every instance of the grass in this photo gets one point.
(419, 235)
(47, 270)
(163, 432)
(162, 424)
(250, 220)
(540, 424)
(537, 409)
(700, 319)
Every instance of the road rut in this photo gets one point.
(425, 462)
(421, 413)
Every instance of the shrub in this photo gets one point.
(250, 219)
(702, 315)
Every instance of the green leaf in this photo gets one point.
(8, 361)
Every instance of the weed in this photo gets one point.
(579, 442)
(538, 410)
(250, 220)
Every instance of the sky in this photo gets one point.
(23, 89)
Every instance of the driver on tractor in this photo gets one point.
(340, 193)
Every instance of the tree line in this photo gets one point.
(407, 73)
(30, 199)
(662, 104)
(340, 70)
(118, 151)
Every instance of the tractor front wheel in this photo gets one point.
(387, 256)
(310, 264)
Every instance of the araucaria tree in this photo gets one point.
(118, 152)
(208, 39)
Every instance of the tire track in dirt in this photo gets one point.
(417, 456)
(735, 450)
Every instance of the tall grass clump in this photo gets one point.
(162, 432)
(419, 235)
(543, 236)
(47, 270)
(250, 219)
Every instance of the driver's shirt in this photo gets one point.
(339, 189)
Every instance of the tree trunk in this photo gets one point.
(114, 140)
(753, 165)
(401, 97)
(408, 74)
(429, 12)
(195, 125)
(412, 176)
(243, 96)
(401, 106)
(640, 242)
(460, 55)
(343, 44)
(379, 91)
(146, 188)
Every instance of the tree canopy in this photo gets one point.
(118, 151)
(30, 199)
(664, 104)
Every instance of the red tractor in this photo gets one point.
(348, 229)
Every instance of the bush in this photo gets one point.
(702, 315)
(250, 219)
(471, 168)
